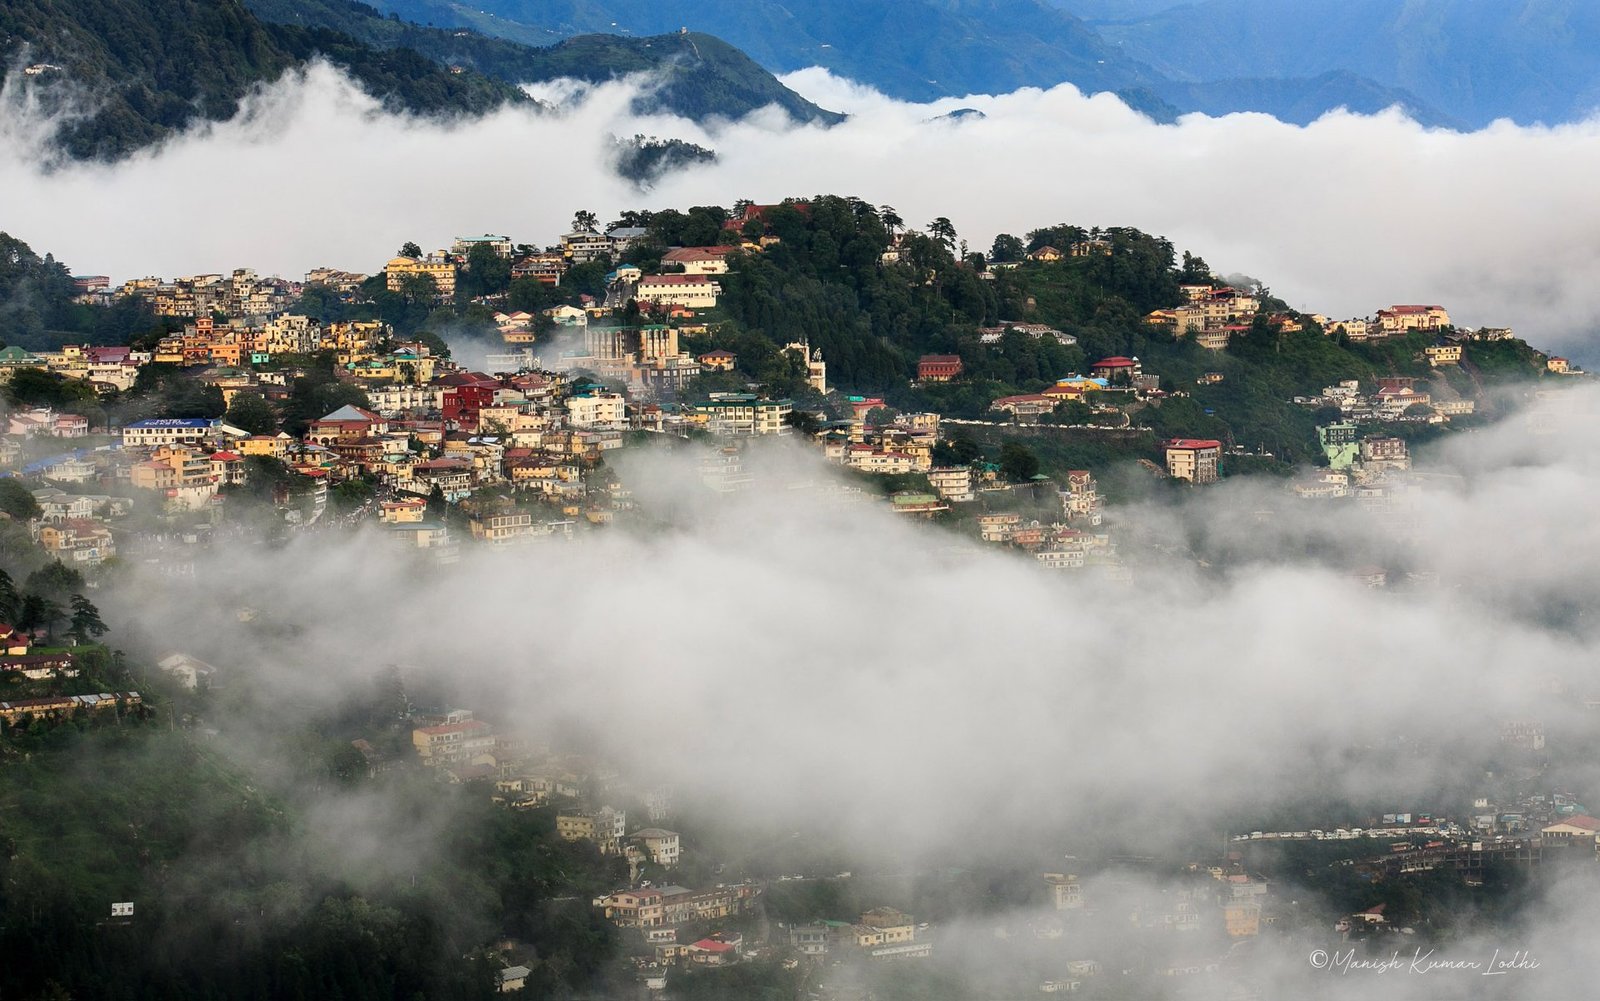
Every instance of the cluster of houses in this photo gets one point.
(1212, 315)
(241, 293)
(1395, 399)
(1115, 380)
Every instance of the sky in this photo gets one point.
(1341, 217)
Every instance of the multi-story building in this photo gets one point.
(463, 245)
(699, 260)
(503, 529)
(438, 266)
(744, 414)
(589, 410)
(1197, 460)
(656, 907)
(1066, 893)
(169, 431)
(690, 291)
(78, 542)
(453, 743)
(661, 846)
(1402, 319)
(953, 483)
(938, 368)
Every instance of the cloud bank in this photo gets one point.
(789, 655)
(1343, 216)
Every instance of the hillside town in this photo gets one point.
(489, 409)
(507, 432)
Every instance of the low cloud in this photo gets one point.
(1343, 216)
(790, 652)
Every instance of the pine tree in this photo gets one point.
(10, 601)
(86, 622)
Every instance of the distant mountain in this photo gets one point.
(913, 49)
(700, 76)
(1472, 60)
(1299, 99)
(925, 49)
(147, 68)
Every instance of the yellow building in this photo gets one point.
(407, 511)
(1443, 354)
(438, 267)
(274, 445)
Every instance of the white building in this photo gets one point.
(690, 291)
(596, 410)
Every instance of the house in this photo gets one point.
(661, 846)
(698, 260)
(78, 542)
(715, 950)
(693, 291)
(39, 667)
(1194, 459)
(169, 431)
(1026, 405)
(656, 907)
(1572, 827)
(1443, 354)
(1403, 319)
(998, 527)
(12, 642)
(439, 267)
(912, 503)
(1558, 365)
(1046, 253)
(503, 529)
(745, 415)
(190, 672)
(811, 939)
(596, 409)
(58, 505)
(463, 245)
(1117, 369)
(513, 978)
(938, 368)
(953, 483)
(717, 360)
(453, 743)
(348, 423)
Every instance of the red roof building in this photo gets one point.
(1111, 368)
(938, 368)
(1197, 460)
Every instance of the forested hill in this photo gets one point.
(827, 281)
(151, 67)
(37, 311)
(700, 75)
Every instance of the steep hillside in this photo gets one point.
(701, 76)
(149, 67)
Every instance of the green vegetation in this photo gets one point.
(36, 308)
(156, 66)
(701, 76)
(253, 885)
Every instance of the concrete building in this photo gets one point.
(1197, 460)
